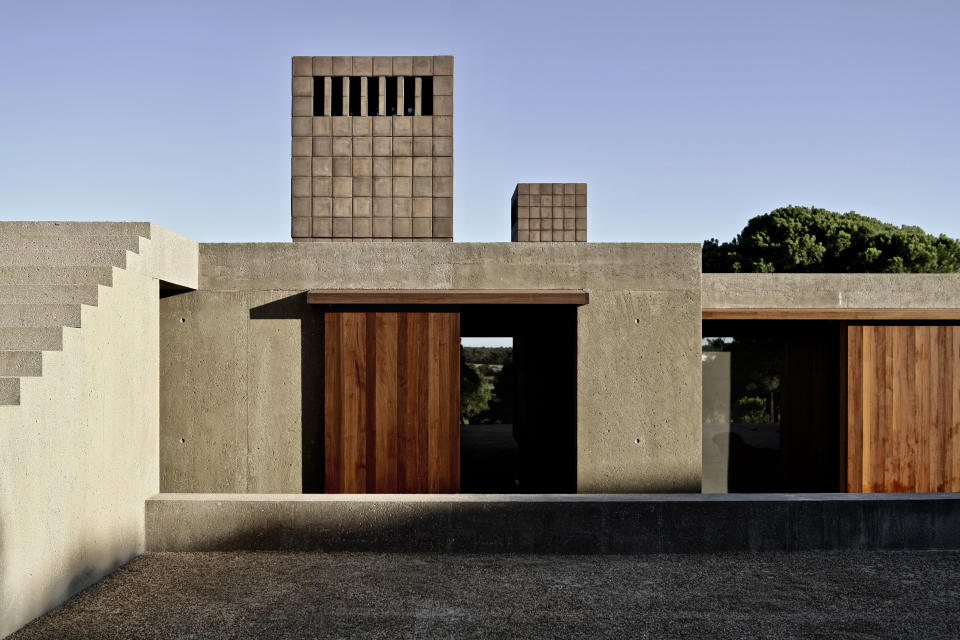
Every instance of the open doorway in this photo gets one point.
(489, 452)
(519, 436)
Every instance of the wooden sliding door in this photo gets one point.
(392, 400)
(903, 408)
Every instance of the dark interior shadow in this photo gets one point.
(545, 399)
(797, 367)
(295, 307)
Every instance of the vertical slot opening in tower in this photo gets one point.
(391, 96)
(336, 96)
(409, 95)
(373, 96)
(354, 95)
(426, 95)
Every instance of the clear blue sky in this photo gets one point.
(685, 118)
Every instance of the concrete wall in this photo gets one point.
(79, 454)
(78, 457)
(581, 524)
(831, 290)
(241, 358)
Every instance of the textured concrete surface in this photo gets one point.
(375, 171)
(607, 523)
(831, 290)
(549, 212)
(638, 353)
(79, 443)
(79, 455)
(301, 595)
(235, 405)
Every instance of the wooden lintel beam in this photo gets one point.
(447, 296)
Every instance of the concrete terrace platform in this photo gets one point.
(565, 524)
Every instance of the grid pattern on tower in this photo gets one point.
(549, 212)
(372, 177)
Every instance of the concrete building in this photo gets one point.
(137, 366)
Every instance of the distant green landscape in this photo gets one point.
(486, 385)
(811, 240)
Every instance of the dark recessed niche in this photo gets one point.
(373, 96)
(409, 95)
(336, 96)
(426, 95)
(355, 95)
(391, 96)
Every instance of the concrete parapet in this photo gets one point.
(581, 524)
(831, 290)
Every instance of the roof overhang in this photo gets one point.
(447, 296)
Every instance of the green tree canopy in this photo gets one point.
(811, 240)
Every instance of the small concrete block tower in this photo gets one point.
(372, 154)
(544, 212)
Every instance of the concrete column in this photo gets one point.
(327, 102)
(363, 96)
(418, 83)
(382, 82)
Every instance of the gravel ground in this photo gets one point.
(366, 595)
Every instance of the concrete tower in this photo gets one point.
(372, 152)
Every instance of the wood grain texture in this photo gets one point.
(832, 314)
(392, 401)
(903, 403)
(447, 296)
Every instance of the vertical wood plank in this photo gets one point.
(939, 398)
(386, 390)
(451, 391)
(922, 393)
(869, 398)
(905, 363)
(354, 402)
(333, 412)
(952, 447)
(420, 422)
(403, 394)
(433, 399)
(854, 409)
(370, 409)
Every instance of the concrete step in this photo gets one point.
(21, 363)
(39, 315)
(68, 258)
(42, 338)
(56, 275)
(541, 524)
(59, 243)
(75, 228)
(9, 391)
(48, 294)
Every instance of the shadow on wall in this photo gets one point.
(295, 307)
(655, 525)
(27, 592)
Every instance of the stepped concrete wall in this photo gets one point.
(79, 454)
(241, 358)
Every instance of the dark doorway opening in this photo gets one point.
(537, 452)
(773, 410)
